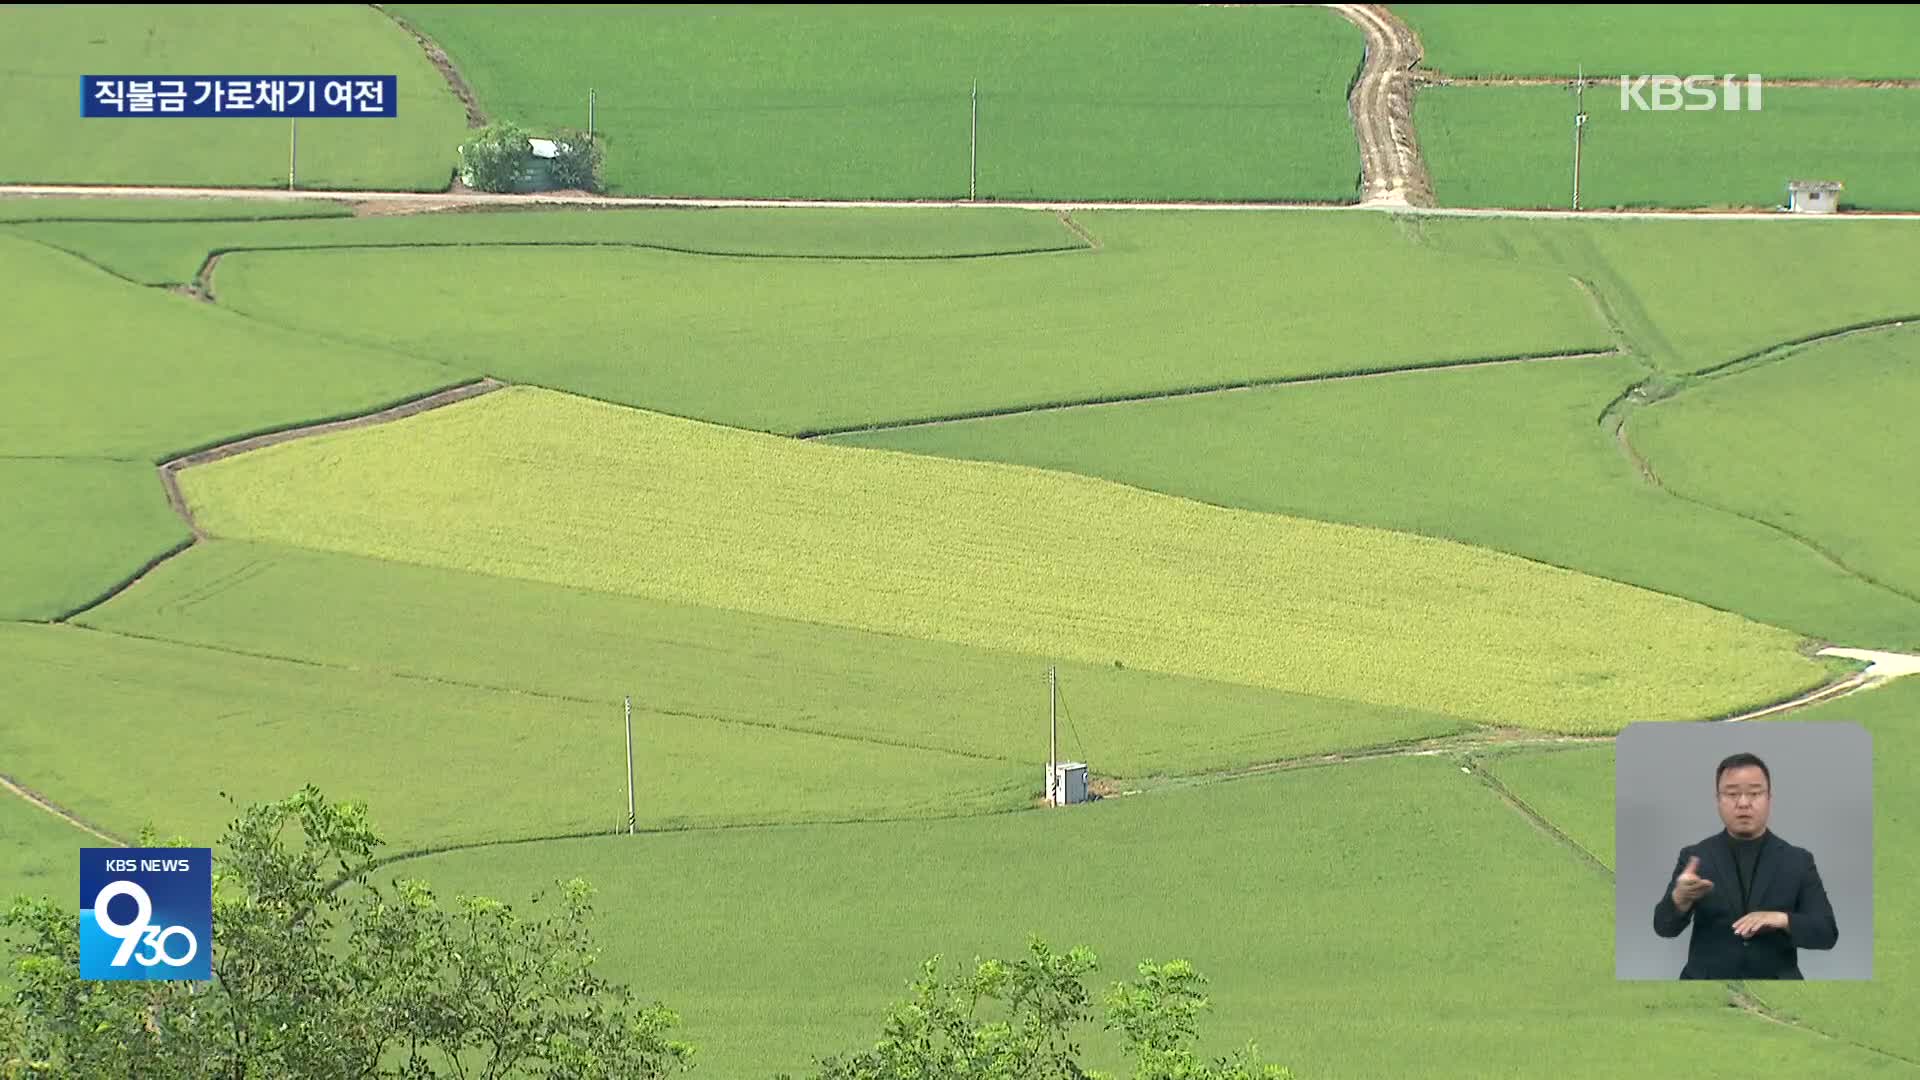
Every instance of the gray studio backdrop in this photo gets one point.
(1664, 799)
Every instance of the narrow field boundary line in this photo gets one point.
(617, 832)
(1634, 396)
(170, 483)
(437, 56)
(1487, 738)
(1540, 821)
(1465, 743)
(204, 277)
(1748, 1002)
(1819, 550)
(1620, 410)
(118, 587)
(550, 695)
(1786, 349)
(1482, 738)
(169, 471)
(1193, 391)
(1077, 229)
(85, 258)
(1622, 406)
(1738, 996)
(35, 798)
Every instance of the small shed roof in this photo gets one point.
(1814, 185)
(544, 148)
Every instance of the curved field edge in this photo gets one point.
(39, 854)
(1801, 443)
(1169, 301)
(103, 368)
(1046, 564)
(1667, 289)
(1574, 790)
(1212, 872)
(444, 762)
(1524, 470)
(75, 528)
(416, 622)
(160, 253)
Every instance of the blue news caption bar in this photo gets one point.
(238, 95)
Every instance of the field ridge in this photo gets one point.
(36, 799)
(170, 469)
(437, 56)
(204, 278)
(1646, 394)
(1197, 391)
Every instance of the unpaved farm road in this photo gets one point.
(1391, 169)
(424, 201)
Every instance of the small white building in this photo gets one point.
(1813, 196)
(1069, 785)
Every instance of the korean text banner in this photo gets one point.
(238, 95)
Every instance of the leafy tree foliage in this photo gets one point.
(321, 970)
(1015, 1021)
(496, 156)
(577, 161)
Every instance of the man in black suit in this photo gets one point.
(1753, 898)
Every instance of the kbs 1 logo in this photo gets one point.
(146, 913)
(1663, 93)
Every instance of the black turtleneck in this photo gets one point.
(1746, 853)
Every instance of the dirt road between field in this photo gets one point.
(1392, 172)
(423, 201)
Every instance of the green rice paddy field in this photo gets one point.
(45, 49)
(1167, 302)
(1341, 914)
(1859, 41)
(1823, 469)
(1513, 146)
(874, 103)
(838, 648)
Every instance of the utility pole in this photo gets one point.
(630, 822)
(1579, 128)
(293, 149)
(1053, 736)
(589, 114)
(973, 149)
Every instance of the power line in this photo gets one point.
(1069, 715)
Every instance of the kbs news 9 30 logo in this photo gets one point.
(146, 913)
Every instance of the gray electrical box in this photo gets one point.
(1070, 783)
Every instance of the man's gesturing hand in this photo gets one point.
(1751, 924)
(1691, 886)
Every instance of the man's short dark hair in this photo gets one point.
(1739, 761)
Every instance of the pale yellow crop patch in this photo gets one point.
(539, 485)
